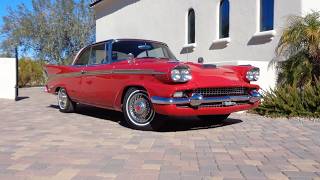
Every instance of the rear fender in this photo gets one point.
(54, 81)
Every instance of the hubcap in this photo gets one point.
(62, 98)
(139, 109)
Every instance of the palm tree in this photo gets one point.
(300, 46)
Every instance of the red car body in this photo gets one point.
(105, 85)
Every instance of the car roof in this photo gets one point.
(115, 40)
(127, 39)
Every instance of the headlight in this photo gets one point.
(181, 74)
(253, 74)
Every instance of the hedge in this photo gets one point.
(31, 73)
(290, 101)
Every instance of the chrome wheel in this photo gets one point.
(62, 98)
(139, 108)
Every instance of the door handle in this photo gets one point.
(83, 71)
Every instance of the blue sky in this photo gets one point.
(11, 3)
(4, 4)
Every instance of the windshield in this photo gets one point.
(122, 50)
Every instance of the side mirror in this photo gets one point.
(200, 60)
(130, 58)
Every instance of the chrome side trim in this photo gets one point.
(99, 72)
(197, 99)
(104, 72)
(136, 71)
(64, 75)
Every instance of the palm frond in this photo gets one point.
(299, 45)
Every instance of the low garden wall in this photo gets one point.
(7, 78)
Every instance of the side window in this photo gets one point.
(119, 56)
(120, 51)
(84, 57)
(98, 55)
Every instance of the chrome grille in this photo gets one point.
(209, 92)
(220, 105)
(213, 105)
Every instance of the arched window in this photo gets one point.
(266, 15)
(224, 19)
(191, 27)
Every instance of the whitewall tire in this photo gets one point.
(138, 110)
(65, 104)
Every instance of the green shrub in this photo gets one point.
(290, 101)
(298, 87)
(30, 73)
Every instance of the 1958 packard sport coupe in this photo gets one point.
(144, 80)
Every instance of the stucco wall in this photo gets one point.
(165, 21)
(310, 5)
(7, 78)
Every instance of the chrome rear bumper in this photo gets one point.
(197, 99)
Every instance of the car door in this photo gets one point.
(97, 78)
(75, 77)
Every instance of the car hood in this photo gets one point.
(201, 73)
(217, 75)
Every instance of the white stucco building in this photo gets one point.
(220, 31)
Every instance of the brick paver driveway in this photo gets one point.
(39, 142)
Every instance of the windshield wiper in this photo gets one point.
(157, 58)
(147, 57)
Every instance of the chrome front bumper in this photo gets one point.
(197, 99)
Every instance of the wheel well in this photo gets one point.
(57, 90)
(127, 88)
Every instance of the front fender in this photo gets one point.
(153, 86)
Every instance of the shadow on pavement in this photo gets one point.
(193, 123)
(19, 98)
(171, 124)
(96, 112)
(100, 113)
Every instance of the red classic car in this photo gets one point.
(143, 79)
